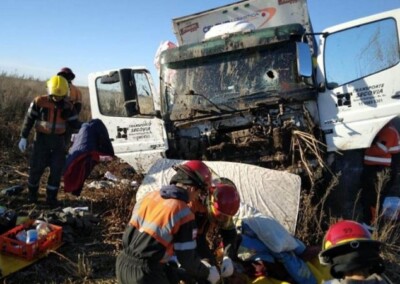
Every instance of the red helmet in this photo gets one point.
(224, 200)
(344, 232)
(67, 73)
(345, 244)
(197, 171)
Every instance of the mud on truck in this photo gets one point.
(247, 83)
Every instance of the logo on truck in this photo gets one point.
(190, 28)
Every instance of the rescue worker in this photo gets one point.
(50, 115)
(162, 225)
(75, 96)
(214, 212)
(223, 203)
(352, 255)
(377, 160)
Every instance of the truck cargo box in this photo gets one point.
(260, 13)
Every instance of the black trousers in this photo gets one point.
(48, 151)
(130, 270)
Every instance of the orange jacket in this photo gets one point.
(163, 221)
(49, 117)
(386, 143)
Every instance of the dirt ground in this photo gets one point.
(92, 239)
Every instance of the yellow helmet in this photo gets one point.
(57, 86)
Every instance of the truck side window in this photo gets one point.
(110, 97)
(145, 99)
(360, 51)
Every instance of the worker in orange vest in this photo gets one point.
(163, 226)
(377, 159)
(49, 114)
(74, 96)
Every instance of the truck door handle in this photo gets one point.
(396, 96)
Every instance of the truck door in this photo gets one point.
(358, 75)
(127, 103)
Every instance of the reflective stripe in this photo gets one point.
(394, 149)
(51, 187)
(46, 124)
(382, 147)
(377, 160)
(185, 246)
(33, 113)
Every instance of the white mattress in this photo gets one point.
(272, 193)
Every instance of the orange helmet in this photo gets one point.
(347, 246)
(197, 171)
(224, 201)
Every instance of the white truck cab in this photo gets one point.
(353, 91)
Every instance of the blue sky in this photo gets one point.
(38, 37)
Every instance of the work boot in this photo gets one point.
(33, 194)
(51, 198)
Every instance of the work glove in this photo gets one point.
(22, 145)
(226, 267)
(213, 276)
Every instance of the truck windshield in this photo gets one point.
(232, 81)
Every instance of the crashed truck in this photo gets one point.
(247, 84)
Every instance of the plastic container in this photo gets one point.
(31, 236)
(42, 228)
(11, 245)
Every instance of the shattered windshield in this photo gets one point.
(228, 82)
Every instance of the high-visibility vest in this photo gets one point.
(386, 143)
(161, 218)
(48, 115)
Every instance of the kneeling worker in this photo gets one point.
(162, 225)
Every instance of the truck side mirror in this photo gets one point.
(304, 60)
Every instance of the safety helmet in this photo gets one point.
(224, 201)
(197, 172)
(343, 232)
(67, 73)
(347, 246)
(57, 86)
